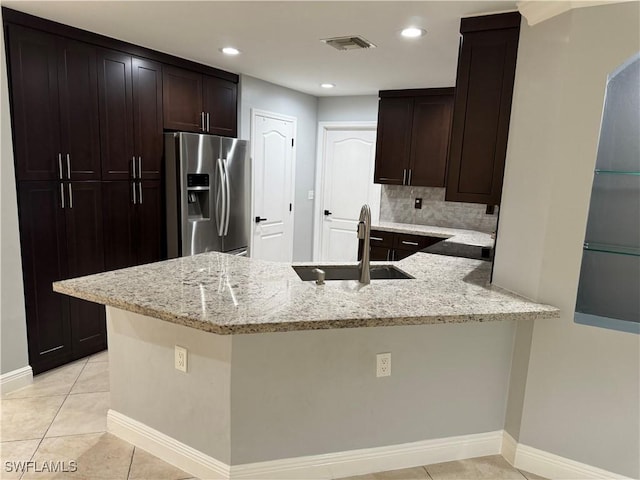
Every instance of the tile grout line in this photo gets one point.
(57, 412)
(131, 462)
(429, 477)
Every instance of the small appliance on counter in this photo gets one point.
(208, 191)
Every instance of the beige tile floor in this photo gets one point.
(62, 417)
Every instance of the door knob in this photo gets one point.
(258, 219)
(327, 213)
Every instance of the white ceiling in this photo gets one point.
(280, 41)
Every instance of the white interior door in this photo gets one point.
(347, 184)
(273, 160)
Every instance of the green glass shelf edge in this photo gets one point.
(601, 247)
(616, 172)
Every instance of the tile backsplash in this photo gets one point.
(396, 205)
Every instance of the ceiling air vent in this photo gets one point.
(351, 42)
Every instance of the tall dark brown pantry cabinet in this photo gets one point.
(87, 122)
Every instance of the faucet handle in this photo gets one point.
(361, 230)
(320, 276)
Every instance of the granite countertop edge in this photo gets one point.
(536, 311)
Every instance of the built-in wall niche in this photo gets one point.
(610, 273)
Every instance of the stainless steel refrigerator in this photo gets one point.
(208, 191)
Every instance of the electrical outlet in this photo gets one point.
(383, 365)
(181, 359)
(310, 194)
(417, 203)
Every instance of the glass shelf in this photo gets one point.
(615, 172)
(616, 249)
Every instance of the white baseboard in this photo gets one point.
(327, 466)
(509, 448)
(165, 447)
(355, 462)
(16, 379)
(370, 460)
(549, 465)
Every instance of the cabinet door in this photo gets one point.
(119, 224)
(380, 254)
(182, 100)
(44, 261)
(36, 111)
(486, 70)
(147, 117)
(149, 222)
(394, 140)
(85, 257)
(116, 115)
(430, 140)
(79, 130)
(220, 105)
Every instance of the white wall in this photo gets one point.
(582, 396)
(13, 335)
(255, 93)
(363, 108)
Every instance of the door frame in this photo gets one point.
(323, 129)
(256, 112)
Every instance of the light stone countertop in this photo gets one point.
(225, 294)
(452, 235)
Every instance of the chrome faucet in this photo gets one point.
(364, 231)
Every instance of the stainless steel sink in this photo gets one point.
(350, 272)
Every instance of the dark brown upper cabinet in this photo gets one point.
(413, 136)
(55, 106)
(199, 103)
(482, 108)
(130, 116)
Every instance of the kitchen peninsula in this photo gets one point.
(302, 386)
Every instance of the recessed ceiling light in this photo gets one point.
(230, 51)
(413, 32)
(327, 85)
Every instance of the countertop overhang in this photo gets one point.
(225, 294)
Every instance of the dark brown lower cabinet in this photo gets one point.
(133, 223)
(61, 237)
(390, 246)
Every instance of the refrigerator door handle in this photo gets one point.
(227, 195)
(220, 199)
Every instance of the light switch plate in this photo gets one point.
(310, 194)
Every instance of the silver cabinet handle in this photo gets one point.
(70, 195)
(388, 254)
(404, 176)
(415, 244)
(377, 239)
(133, 167)
(139, 167)
(140, 192)
(133, 189)
(410, 175)
(69, 168)
(62, 194)
(202, 120)
(208, 124)
(60, 166)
